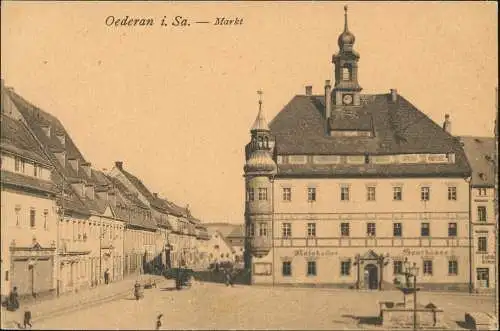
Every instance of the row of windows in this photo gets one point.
(346, 266)
(19, 166)
(81, 231)
(345, 231)
(32, 217)
(345, 193)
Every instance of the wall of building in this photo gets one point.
(328, 247)
(483, 261)
(17, 231)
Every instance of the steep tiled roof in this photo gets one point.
(480, 153)
(16, 139)
(27, 182)
(37, 119)
(398, 128)
(128, 200)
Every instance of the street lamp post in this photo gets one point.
(412, 271)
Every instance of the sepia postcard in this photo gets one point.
(249, 165)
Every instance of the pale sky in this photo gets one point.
(176, 104)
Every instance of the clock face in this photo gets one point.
(347, 99)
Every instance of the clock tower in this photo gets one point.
(346, 89)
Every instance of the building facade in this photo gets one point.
(86, 218)
(342, 188)
(28, 210)
(481, 155)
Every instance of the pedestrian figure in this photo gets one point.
(13, 301)
(27, 319)
(229, 280)
(106, 276)
(158, 321)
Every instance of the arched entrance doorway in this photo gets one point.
(371, 276)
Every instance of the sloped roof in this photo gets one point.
(16, 139)
(238, 232)
(399, 128)
(480, 153)
(224, 228)
(27, 182)
(35, 119)
(128, 200)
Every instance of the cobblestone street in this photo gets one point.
(214, 306)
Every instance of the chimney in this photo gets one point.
(90, 191)
(328, 99)
(155, 195)
(447, 124)
(74, 164)
(86, 168)
(62, 138)
(119, 165)
(394, 95)
(46, 129)
(309, 90)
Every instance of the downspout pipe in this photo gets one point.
(471, 243)
(272, 229)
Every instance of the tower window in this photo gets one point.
(262, 193)
(250, 194)
(346, 73)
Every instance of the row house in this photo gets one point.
(104, 223)
(147, 240)
(481, 156)
(28, 211)
(140, 229)
(89, 233)
(202, 239)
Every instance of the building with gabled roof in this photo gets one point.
(90, 239)
(480, 153)
(343, 188)
(28, 212)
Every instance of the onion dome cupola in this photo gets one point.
(346, 38)
(259, 159)
(346, 89)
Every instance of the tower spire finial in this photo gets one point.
(345, 19)
(260, 122)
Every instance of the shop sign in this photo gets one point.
(425, 252)
(311, 252)
(488, 259)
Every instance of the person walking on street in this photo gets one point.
(158, 321)
(27, 319)
(106, 276)
(13, 301)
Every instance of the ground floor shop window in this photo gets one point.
(483, 275)
(287, 268)
(311, 268)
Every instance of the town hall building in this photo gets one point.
(342, 188)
